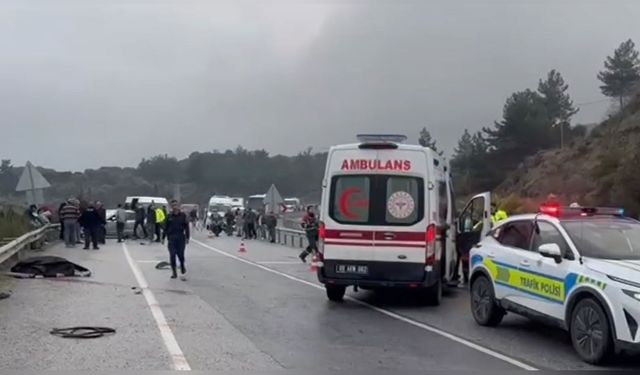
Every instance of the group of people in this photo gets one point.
(90, 219)
(151, 220)
(252, 224)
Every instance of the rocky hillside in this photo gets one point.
(601, 169)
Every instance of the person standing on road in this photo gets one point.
(250, 224)
(193, 219)
(271, 221)
(239, 222)
(60, 219)
(91, 222)
(310, 225)
(140, 215)
(69, 215)
(121, 220)
(151, 221)
(161, 216)
(177, 234)
(102, 231)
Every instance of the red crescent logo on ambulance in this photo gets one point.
(347, 203)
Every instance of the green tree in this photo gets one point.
(161, 168)
(5, 166)
(621, 73)
(426, 140)
(557, 102)
(524, 130)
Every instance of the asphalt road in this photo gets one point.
(259, 311)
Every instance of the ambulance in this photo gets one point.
(385, 217)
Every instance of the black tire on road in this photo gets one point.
(590, 332)
(433, 294)
(335, 293)
(484, 307)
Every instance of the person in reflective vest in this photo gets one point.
(497, 215)
(160, 219)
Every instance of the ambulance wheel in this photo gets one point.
(335, 293)
(590, 332)
(484, 307)
(433, 294)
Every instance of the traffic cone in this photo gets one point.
(242, 248)
(313, 267)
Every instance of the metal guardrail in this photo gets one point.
(28, 239)
(291, 237)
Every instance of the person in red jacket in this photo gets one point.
(311, 227)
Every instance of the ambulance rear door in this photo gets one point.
(400, 204)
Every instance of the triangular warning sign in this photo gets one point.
(31, 179)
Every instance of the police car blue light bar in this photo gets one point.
(381, 138)
(555, 210)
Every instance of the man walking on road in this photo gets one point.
(140, 215)
(310, 225)
(177, 233)
(121, 219)
(91, 222)
(161, 216)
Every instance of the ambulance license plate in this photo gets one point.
(352, 268)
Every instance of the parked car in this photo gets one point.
(128, 227)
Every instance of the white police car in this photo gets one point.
(577, 268)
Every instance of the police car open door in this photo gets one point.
(473, 225)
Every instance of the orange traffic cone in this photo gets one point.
(313, 267)
(242, 248)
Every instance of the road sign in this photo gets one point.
(273, 198)
(32, 182)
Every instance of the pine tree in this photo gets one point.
(425, 140)
(622, 72)
(557, 101)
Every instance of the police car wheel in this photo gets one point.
(335, 293)
(590, 332)
(484, 306)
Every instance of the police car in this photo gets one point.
(385, 210)
(576, 268)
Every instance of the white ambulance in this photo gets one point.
(386, 218)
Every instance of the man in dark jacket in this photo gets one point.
(91, 222)
(311, 228)
(151, 220)
(271, 221)
(102, 231)
(140, 215)
(177, 232)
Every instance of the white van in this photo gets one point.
(384, 219)
(135, 201)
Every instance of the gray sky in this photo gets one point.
(91, 83)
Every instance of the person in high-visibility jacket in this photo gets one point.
(161, 217)
(497, 215)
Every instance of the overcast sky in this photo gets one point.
(89, 83)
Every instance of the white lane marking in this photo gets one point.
(280, 262)
(177, 357)
(386, 312)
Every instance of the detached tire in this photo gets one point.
(335, 293)
(433, 294)
(590, 332)
(484, 307)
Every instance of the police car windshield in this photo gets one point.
(605, 238)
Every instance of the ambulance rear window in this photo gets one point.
(402, 197)
(351, 199)
(377, 199)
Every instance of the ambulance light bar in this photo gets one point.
(558, 211)
(381, 138)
